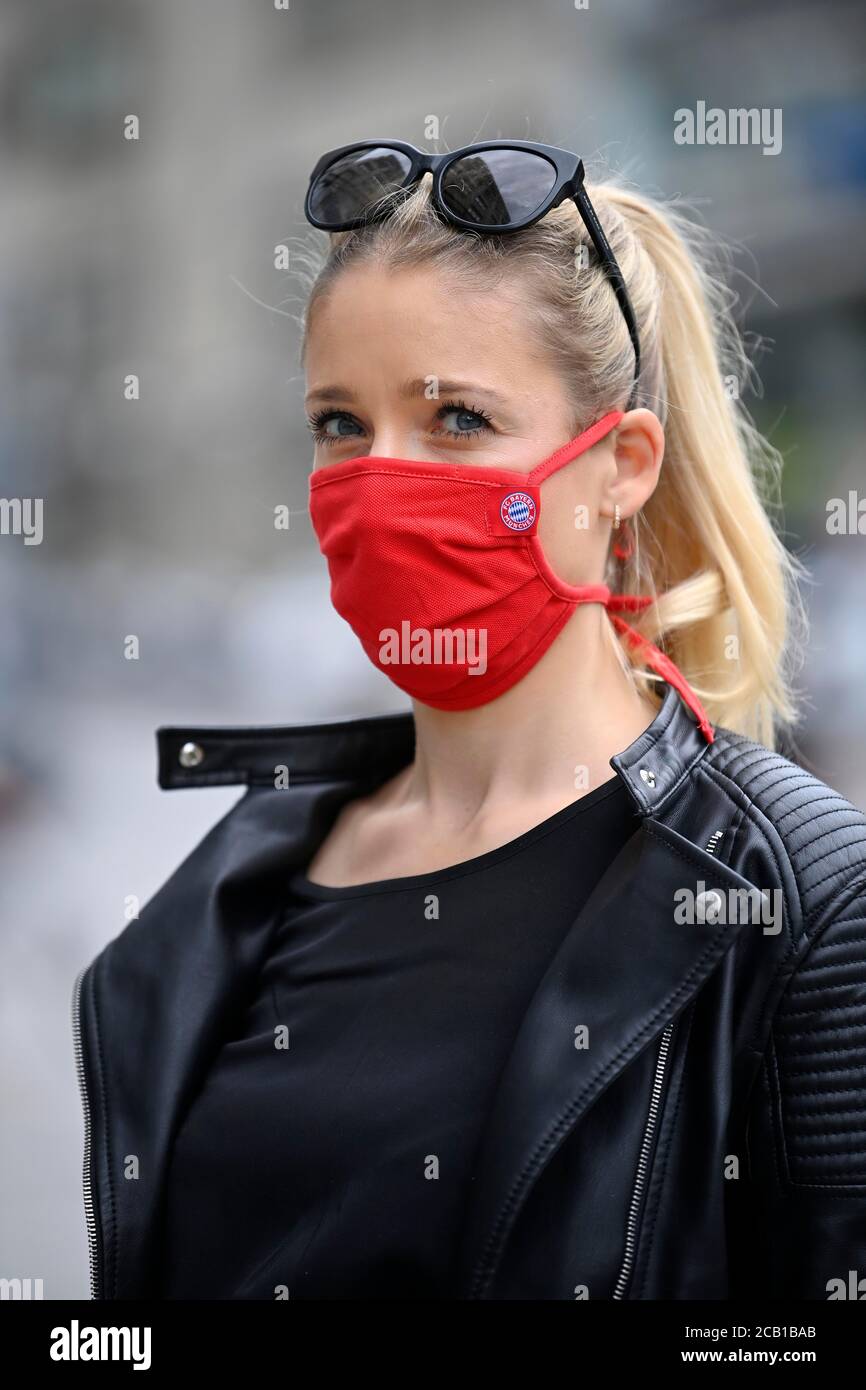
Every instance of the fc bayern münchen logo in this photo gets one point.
(518, 511)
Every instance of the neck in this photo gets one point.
(546, 741)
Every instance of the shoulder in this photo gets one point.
(818, 835)
(814, 1079)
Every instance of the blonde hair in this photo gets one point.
(727, 608)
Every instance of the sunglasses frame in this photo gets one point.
(567, 184)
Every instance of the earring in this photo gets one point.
(616, 516)
(623, 546)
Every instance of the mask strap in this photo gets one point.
(635, 603)
(578, 445)
(629, 603)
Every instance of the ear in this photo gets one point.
(638, 450)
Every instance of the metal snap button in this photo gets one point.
(190, 755)
(708, 906)
(648, 776)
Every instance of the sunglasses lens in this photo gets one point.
(496, 188)
(356, 182)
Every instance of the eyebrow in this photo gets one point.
(409, 390)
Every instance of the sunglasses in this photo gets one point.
(498, 186)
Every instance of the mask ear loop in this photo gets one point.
(654, 657)
(624, 603)
(578, 445)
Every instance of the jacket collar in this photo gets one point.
(371, 749)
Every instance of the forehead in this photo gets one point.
(370, 318)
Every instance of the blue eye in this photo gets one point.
(468, 422)
(317, 425)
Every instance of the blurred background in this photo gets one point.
(157, 257)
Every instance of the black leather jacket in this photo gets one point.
(710, 1142)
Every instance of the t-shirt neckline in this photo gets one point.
(306, 888)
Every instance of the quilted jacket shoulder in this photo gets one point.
(823, 834)
(814, 1073)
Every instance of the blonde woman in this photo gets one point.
(553, 987)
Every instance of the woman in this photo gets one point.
(444, 1008)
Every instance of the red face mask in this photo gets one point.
(439, 570)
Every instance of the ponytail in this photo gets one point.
(728, 609)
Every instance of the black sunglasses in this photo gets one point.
(498, 186)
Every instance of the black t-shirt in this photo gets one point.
(339, 1165)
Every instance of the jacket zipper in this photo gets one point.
(89, 1212)
(636, 1203)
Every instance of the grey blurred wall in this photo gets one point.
(156, 257)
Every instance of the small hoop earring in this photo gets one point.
(616, 517)
(624, 546)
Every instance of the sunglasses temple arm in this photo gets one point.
(602, 246)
